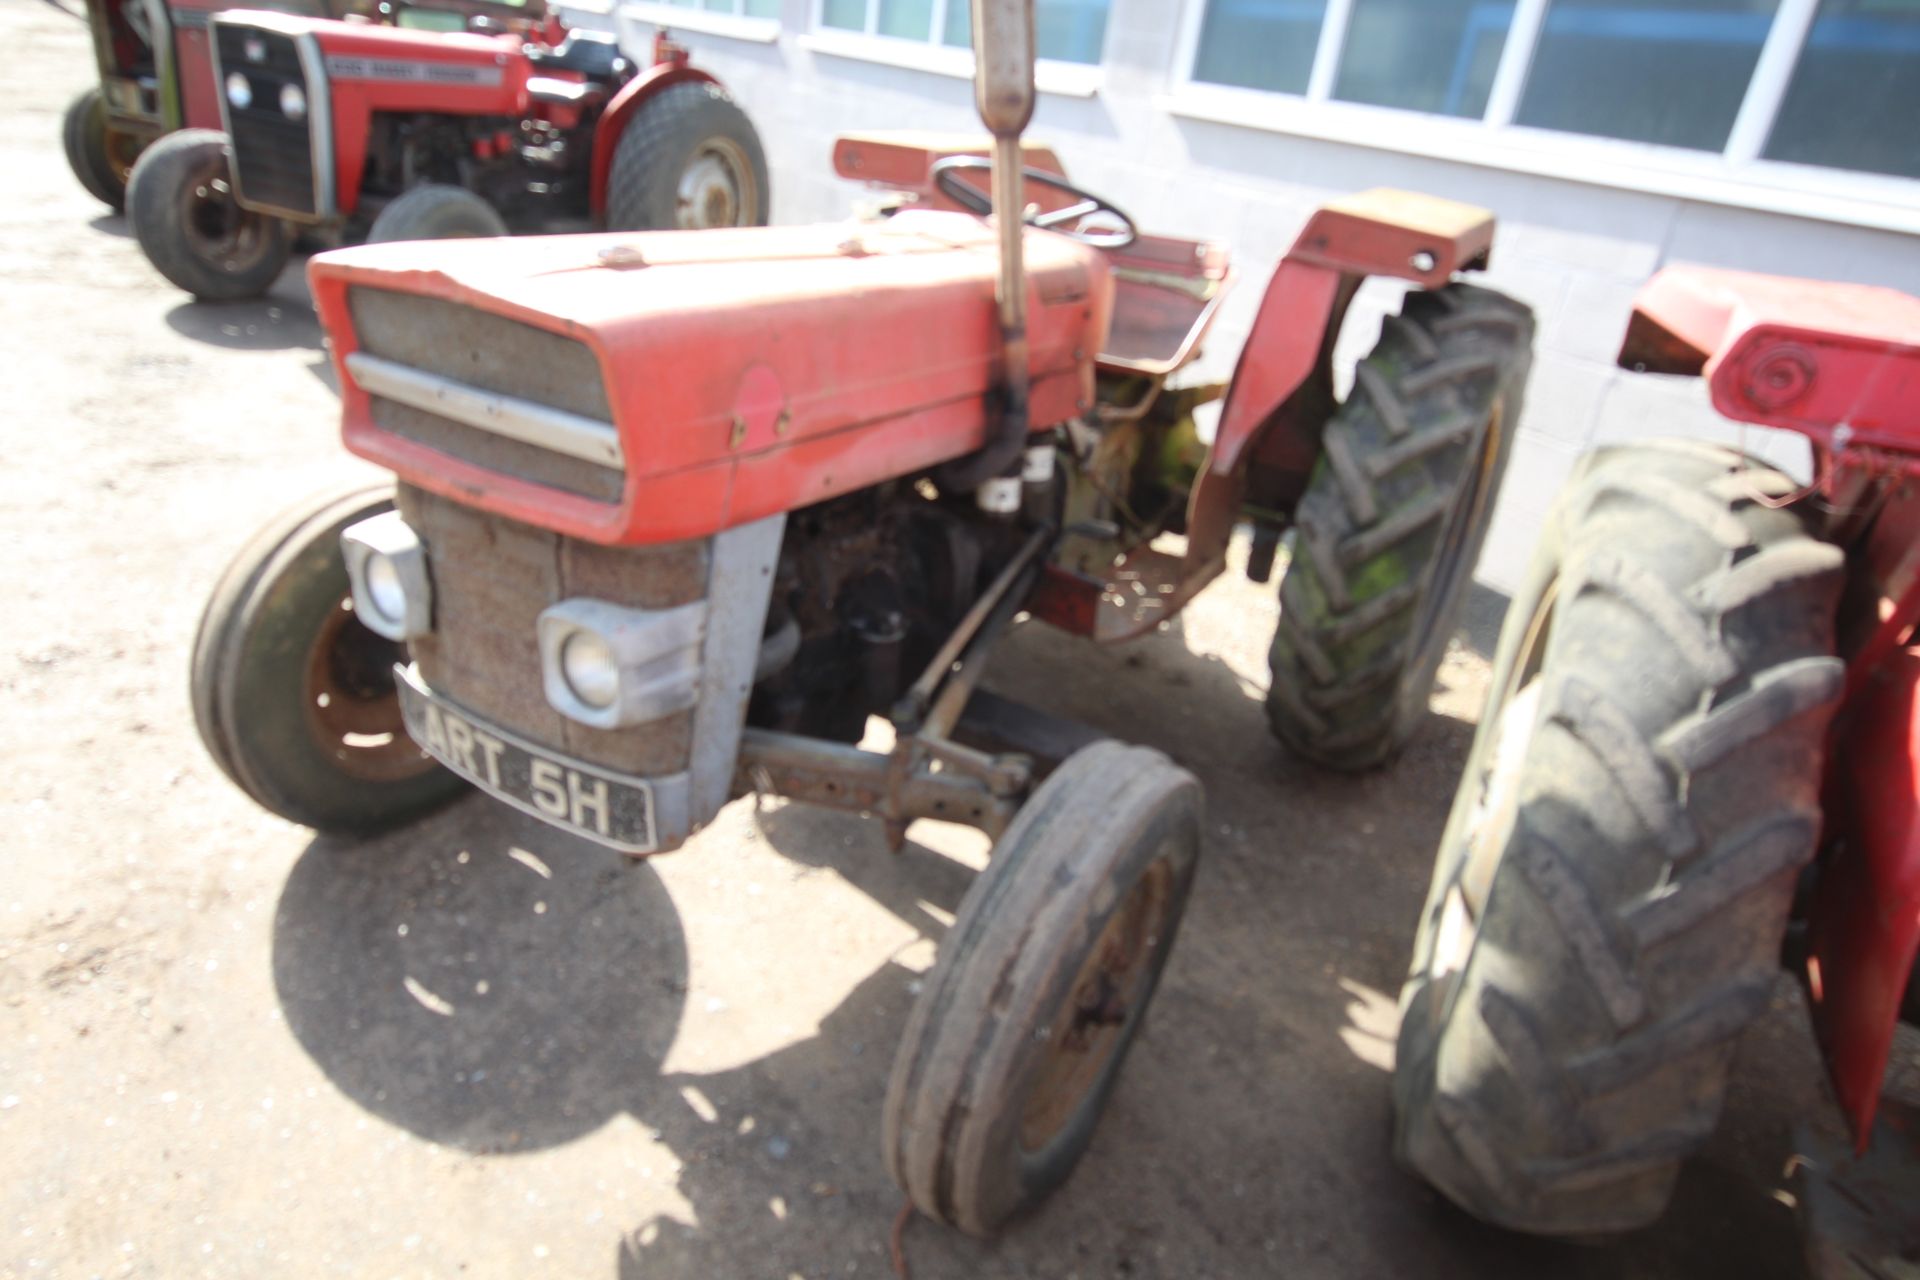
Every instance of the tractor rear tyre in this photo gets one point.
(1041, 986)
(293, 695)
(180, 202)
(1391, 524)
(688, 159)
(436, 211)
(1609, 897)
(84, 131)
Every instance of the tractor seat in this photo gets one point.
(594, 54)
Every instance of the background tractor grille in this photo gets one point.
(272, 155)
(491, 353)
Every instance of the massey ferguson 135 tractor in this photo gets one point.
(339, 129)
(1703, 737)
(677, 513)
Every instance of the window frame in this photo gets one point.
(1737, 175)
(869, 44)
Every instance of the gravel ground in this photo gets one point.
(212, 1057)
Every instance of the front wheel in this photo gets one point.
(436, 211)
(1388, 531)
(92, 150)
(688, 159)
(1610, 894)
(1041, 987)
(181, 204)
(294, 697)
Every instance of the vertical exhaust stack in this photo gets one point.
(1003, 51)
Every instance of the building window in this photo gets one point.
(1064, 30)
(1833, 83)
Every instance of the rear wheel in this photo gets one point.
(180, 202)
(688, 159)
(294, 697)
(99, 158)
(436, 211)
(1388, 531)
(1041, 986)
(1615, 878)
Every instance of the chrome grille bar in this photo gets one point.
(503, 415)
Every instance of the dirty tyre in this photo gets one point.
(1388, 531)
(436, 211)
(1040, 988)
(84, 133)
(688, 159)
(1609, 898)
(195, 235)
(277, 634)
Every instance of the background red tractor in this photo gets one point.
(678, 514)
(341, 129)
(1703, 739)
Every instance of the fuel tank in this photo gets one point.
(652, 387)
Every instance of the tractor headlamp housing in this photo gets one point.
(239, 91)
(293, 102)
(387, 567)
(610, 666)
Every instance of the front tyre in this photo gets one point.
(1391, 524)
(1610, 894)
(1040, 988)
(293, 696)
(688, 159)
(180, 202)
(90, 150)
(436, 211)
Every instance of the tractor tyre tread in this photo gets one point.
(657, 142)
(1667, 801)
(436, 211)
(1352, 661)
(83, 131)
(154, 213)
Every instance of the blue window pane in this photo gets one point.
(1853, 98)
(1646, 70)
(907, 19)
(1423, 55)
(1260, 44)
(1063, 30)
(847, 15)
(763, 8)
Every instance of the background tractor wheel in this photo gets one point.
(84, 131)
(688, 159)
(1390, 527)
(1610, 894)
(1041, 986)
(293, 696)
(180, 202)
(436, 211)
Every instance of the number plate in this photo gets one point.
(601, 806)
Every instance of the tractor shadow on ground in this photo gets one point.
(112, 224)
(283, 320)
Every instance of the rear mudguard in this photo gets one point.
(633, 95)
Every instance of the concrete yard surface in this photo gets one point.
(479, 1048)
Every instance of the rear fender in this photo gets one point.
(613, 121)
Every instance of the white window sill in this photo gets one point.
(675, 17)
(1802, 191)
(1062, 79)
(584, 6)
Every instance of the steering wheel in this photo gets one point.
(1066, 222)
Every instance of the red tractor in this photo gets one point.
(344, 129)
(1703, 739)
(677, 514)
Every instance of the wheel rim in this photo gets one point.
(353, 710)
(120, 150)
(1457, 534)
(218, 230)
(1489, 825)
(716, 188)
(1103, 1003)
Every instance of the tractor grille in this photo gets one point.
(273, 155)
(479, 352)
(491, 579)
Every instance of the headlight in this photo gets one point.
(590, 670)
(610, 666)
(293, 102)
(387, 567)
(239, 91)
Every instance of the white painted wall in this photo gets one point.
(1575, 252)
